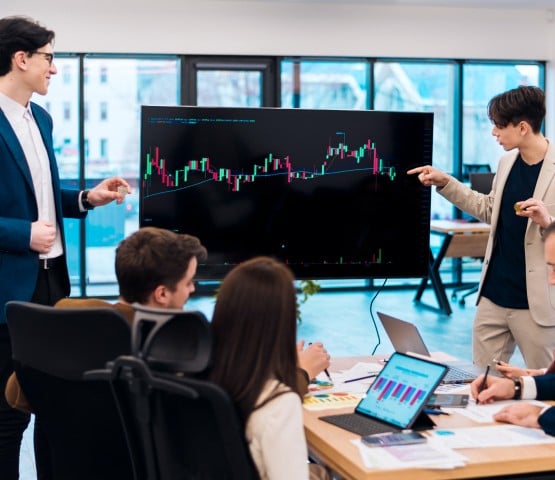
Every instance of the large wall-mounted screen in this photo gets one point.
(326, 191)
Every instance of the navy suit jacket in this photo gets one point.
(545, 385)
(18, 209)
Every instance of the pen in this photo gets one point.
(484, 383)
(372, 375)
(435, 411)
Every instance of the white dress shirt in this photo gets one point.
(28, 133)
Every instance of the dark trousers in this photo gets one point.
(13, 423)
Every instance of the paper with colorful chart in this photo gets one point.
(324, 394)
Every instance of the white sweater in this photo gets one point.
(275, 435)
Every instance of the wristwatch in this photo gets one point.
(518, 388)
(85, 200)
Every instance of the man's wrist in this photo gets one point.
(85, 200)
(518, 388)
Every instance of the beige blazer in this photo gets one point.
(541, 297)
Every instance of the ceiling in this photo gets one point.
(511, 4)
(522, 4)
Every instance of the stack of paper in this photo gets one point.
(431, 454)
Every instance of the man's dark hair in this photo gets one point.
(517, 105)
(153, 256)
(20, 34)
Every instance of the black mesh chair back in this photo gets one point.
(179, 427)
(52, 348)
(172, 340)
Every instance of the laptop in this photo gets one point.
(406, 338)
(395, 400)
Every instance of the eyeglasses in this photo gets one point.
(49, 56)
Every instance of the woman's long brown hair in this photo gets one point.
(254, 327)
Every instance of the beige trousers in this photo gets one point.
(497, 330)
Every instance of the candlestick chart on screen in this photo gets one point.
(324, 191)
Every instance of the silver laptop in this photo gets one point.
(395, 400)
(405, 337)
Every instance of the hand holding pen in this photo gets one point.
(488, 388)
(484, 383)
(328, 359)
(313, 359)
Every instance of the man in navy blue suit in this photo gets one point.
(540, 387)
(33, 265)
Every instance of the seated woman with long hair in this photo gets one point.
(255, 361)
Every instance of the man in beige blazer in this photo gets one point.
(515, 305)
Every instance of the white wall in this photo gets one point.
(307, 27)
(303, 27)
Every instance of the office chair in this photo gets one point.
(470, 289)
(177, 427)
(469, 168)
(52, 348)
(480, 181)
(184, 344)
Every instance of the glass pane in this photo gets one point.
(422, 87)
(481, 83)
(229, 88)
(62, 104)
(114, 92)
(322, 84)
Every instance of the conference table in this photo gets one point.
(332, 446)
(459, 239)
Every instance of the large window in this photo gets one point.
(423, 87)
(111, 147)
(229, 81)
(324, 84)
(95, 103)
(118, 86)
(481, 82)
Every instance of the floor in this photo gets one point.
(347, 325)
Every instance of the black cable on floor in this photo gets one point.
(372, 316)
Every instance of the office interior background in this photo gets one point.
(446, 57)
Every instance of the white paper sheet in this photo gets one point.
(485, 413)
(490, 436)
(431, 454)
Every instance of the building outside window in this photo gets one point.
(229, 88)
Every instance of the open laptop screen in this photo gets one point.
(401, 389)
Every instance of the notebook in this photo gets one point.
(395, 400)
(406, 338)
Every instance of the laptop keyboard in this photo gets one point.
(457, 375)
(359, 424)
